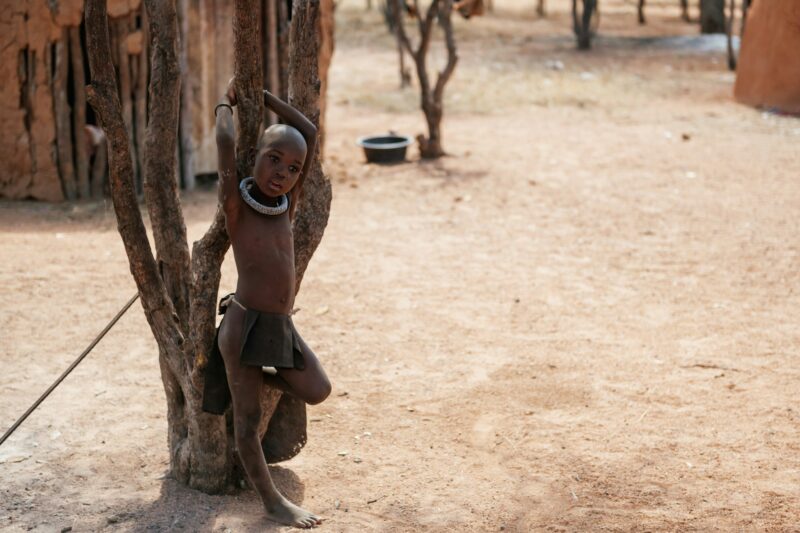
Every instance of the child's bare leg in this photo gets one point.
(246, 384)
(310, 384)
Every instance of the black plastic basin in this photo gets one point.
(385, 148)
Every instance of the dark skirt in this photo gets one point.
(268, 339)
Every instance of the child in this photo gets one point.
(257, 329)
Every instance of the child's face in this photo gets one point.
(278, 167)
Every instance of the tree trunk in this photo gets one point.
(712, 16)
(273, 56)
(304, 95)
(431, 98)
(283, 46)
(179, 293)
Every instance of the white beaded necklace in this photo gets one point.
(244, 187)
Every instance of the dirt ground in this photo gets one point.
(584, 319)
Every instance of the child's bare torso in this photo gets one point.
(263, 248)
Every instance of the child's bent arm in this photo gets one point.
(292, 117)
(226, 156)
(297, 120)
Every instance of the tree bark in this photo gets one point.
(283, 46)
(304, 95)
(431, 98)
(79, 112)
(248, 82)
(179, 293)
(712, 16)
(199, 450)
(273, 56)
(160, 185)
(103, 97)
(63, 113)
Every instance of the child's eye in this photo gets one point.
(293, 168)
(273, 158)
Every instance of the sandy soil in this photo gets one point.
(585, 318)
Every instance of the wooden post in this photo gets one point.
(62, 112)
(186, 147)
(79, 112)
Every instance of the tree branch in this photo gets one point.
(452, 55)
(426, 29)
(249, 82)
(160, 182)
(103, 97)
(207, 256)
(304, 94)
(400, 27)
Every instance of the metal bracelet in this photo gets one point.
(229, 106)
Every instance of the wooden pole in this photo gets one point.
(186, 147)
(79, 112)
(63, 113)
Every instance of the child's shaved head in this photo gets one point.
(282, 134)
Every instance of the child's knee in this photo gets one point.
(246, 427)
(319, 393)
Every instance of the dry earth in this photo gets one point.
(585, 318)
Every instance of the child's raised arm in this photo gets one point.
(226, 153)
(297, 120)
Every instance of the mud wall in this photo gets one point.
(768, 73)
(41, 66)
(43, 143)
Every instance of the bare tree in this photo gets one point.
(584, 21)
(431, 96)
(178, 290)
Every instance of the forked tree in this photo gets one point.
(432, 95)
(178, 290)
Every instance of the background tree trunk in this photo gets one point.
(431, 97)
(712, 16)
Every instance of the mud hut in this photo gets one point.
(46, 149)
(768, 72)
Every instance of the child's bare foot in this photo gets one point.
(285, 512)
